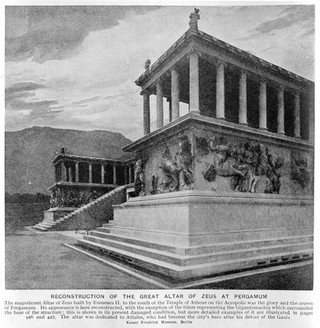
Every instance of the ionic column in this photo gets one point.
(70, 173)
(114, 174)
(280, 117)
(77, 171)
(90, 173)
(243, 99)
(175, 93)
(125, 175)
(159, 105)
(56, 173)
(63, 172)
(130, 174)
(263, 106)
(220, 111)
(194, 83)
(297, 115)
(170, 109)
(311, 121)
(102, 173)
(146, 113)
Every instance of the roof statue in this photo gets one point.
(194, 17)
(147, 64)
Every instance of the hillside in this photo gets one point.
(29, 154)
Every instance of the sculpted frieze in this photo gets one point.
(244, 164)
(177, 170)
(73, 198)
(139, 178)
(300, 171)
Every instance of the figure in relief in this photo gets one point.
(245, 164)
(185, 164)
(300, 171)
(273, 174)
(154, 185)
(139, 180)
(171, 170)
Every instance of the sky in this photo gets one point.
(75, 66)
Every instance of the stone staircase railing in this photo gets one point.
(89, 216)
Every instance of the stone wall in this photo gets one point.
(220, 160)
(94, 214)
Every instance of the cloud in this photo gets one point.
(288, 17)
(23, 86)
(19, 104)
(94, 89)
(15, 92)
(53, 32)
(86, 100)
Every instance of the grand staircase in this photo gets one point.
(88, 216)
(178, 262)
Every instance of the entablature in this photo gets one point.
(216, 50)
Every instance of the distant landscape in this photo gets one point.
(29, 170)
(29, 154)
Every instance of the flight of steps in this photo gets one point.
(177, 263)
(89, 215)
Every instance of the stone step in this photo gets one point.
(39, 227)
(103, 232)
(197, 270)
(183, 260)
(48, 224)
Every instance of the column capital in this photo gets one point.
(194, 50)
(174, 68)
(220, 62)
(263, 80)
(146, 92)
(243, 72)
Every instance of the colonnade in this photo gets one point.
(70, 172)
(194, 101)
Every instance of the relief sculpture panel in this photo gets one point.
(176, 170)
(244, 164)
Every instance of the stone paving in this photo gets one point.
(40, 261)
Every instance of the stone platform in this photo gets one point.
(56, 213)
(193, 234)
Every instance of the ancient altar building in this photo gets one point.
(79, 179)
(220, 81)
(85, 189)
(227, 186)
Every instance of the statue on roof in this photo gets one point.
(147, 64)
(194, 17)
